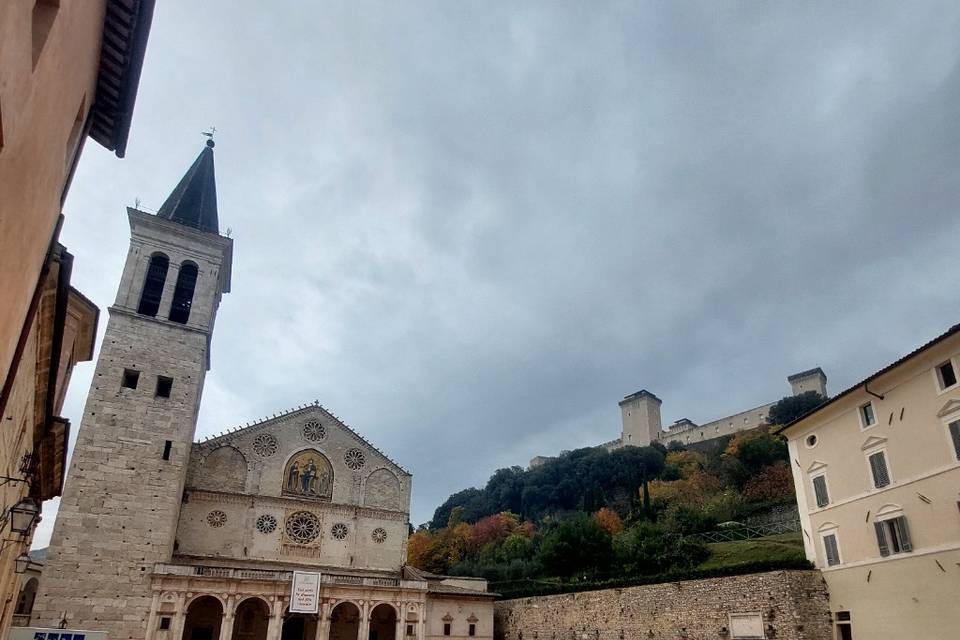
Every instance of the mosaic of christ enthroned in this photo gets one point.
(308, 473)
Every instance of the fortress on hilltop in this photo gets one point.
(640, 415)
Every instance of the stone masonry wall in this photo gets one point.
(790, 605)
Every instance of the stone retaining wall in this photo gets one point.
(787, 605)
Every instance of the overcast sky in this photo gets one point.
(469, 229)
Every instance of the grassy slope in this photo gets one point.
(785, 546)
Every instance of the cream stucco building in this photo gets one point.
(877, 471)
(159, 537)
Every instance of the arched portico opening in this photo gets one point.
(383, 622)
(345, 622)
(204, 616)
(299, 626)
(251, 620)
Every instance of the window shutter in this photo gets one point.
(901, 525)
(878, 466)
(820, 489)
(881, 539)
(955, 436)
(830, 547)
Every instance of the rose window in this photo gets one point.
(265, 445)
(314, 431)
(379, 535)
(354, 459)
(303, 527)
(216, 518)
(339, 531)
(266, 523)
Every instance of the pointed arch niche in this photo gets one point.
(309, 474)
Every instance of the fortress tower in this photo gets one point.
(640, 412)
(118, 515)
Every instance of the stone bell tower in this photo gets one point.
(118, 514)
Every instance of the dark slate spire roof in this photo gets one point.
(194, 201)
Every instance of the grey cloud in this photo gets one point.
(470, 228)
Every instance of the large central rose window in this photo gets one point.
(303, 527)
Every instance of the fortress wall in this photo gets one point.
(787, 605)
(743, 421)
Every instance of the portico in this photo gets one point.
(198, 602)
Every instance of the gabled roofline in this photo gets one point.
(230, 434)
(916, 352)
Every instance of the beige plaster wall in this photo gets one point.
(41, 108)
(461, 610)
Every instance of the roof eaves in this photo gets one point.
(943, 336)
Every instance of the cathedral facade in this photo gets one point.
(159, 537)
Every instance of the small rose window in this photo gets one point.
(265, 445)
(266, 523)
(379, 535)
(354, 459)
(216, 518)
(313, 431)
(339, 531)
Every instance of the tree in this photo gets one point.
(609, 521)
(771, 483)
(788, 409)
(576, 546)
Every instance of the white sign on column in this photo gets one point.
(305, 592)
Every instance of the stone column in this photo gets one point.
(323, 621)
(363, 633)
(179, 618)
(166, 299)
(226, 625)
(152, 620)
(275, 626)
(401, 628)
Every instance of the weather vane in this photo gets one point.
(210, 133)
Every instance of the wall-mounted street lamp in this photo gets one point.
(23, 516)
(21, 563)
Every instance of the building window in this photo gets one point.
(164, 623)
(446, 628)
(130, 379)
(153, 285)
(946, 375)
(893, 536)
(164, 385)
(811, 441)
(954, 428)
(830, 549)
(820, 491)
(844, 630)
(472, 630)
(183, 293)
(867, 416)
(409, 629)
(879, 470)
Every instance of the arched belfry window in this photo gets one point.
(153, 285)
(183, 293)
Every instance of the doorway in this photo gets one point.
(345, 622)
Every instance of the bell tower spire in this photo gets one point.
(193, 202)
(118, 514)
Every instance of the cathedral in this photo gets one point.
(159, 537)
